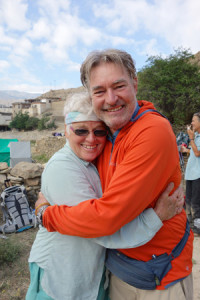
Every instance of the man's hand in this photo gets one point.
(169, 206)
(40, 201)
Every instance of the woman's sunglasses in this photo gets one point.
(85, 132)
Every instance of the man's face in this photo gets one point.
(113, 94)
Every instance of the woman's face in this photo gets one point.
(195, 123)
(89, 145)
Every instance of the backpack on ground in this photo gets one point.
(17, 213)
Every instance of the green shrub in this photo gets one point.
(32, 123)
(42, 158)
(51, 125)
(9, 251)
(24, 122)
(42, 123)
(19, 121)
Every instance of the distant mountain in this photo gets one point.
(10, 96)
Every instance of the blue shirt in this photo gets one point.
(193, 165)
(73, 266)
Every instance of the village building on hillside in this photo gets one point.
(5, 117)
(33, 107)
(51, 102)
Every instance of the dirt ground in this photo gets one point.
(14, 278)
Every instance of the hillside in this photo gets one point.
(62, 93)
(197, 58)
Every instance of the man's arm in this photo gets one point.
(150, 164)
(62, 186)
(143, 228)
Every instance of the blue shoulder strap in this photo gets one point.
(134, 118)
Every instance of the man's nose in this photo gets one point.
(111, 97)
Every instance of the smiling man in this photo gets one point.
(138, 162)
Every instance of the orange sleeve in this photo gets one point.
(149, 163)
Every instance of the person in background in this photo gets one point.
(192, 173)
(67, 267)
(139, 160)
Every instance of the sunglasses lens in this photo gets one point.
(85, 132)
(100, 132)
(81, 132)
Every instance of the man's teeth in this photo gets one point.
(114, 109)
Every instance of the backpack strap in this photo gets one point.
(140, 274)
(179, 247)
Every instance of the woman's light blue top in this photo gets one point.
(192, 171)
(73, 266)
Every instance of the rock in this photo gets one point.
(14, 178)
(2, 178)
(32, 181)
(6, 171)
(3, 166)
(27, 170)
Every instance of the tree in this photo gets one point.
(172, 84)
(32, 123)
(19, 121)
(24, 122)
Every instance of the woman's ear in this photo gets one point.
(66, 133)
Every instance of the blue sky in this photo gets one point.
(43, 42)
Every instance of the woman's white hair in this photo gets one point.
(80, 102)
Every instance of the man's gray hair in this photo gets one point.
(80, 102)
(115, 56)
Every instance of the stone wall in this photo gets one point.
(48, 146)
(24, 173)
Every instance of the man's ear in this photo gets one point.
(135, 84)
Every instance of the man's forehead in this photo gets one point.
(115, 82)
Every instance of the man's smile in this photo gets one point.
(114, 109)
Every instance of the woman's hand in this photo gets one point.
(41, 201)
(190, 132)
(169, 206)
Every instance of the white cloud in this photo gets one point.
(5, 39)
(22, 47)
(149, 46)
(52, 8)
(13, 14)
(4, 65)
(57, 36)
(41, 29)
(25, 87)
(175, 22)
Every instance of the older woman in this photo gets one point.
(192, 174)
(67, 267)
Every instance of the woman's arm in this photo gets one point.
(191, 134)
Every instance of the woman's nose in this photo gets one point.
(91, 137)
